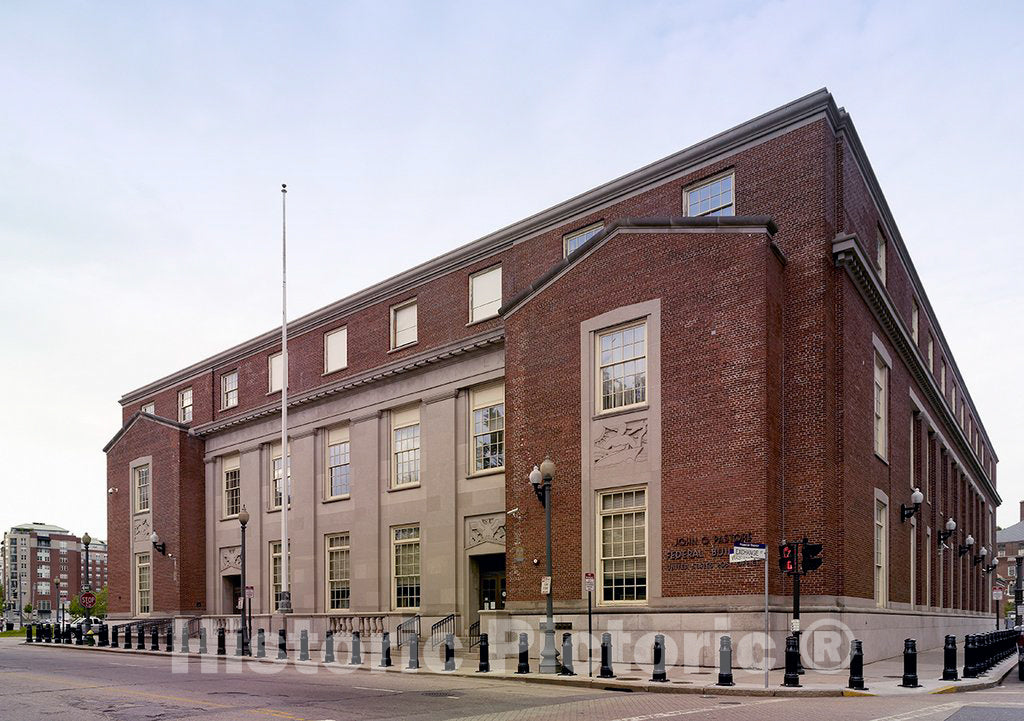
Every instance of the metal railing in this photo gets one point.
(474, 634)
(441, 629)
(408, 626)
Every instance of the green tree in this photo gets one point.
(28, 608)
(76, 608)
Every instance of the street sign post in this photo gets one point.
(590, 583)
(744, 553)
(545, 585)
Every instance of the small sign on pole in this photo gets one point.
(997, 594)
(589, 582)
(545, 585)
(744, 552)
(250, 592)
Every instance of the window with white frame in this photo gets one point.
(484, 294)
(142, 483)
(881, 553)
(42, 589)
(338, 466)
(335, 350)
(142, 583)
(952, 396)
(337, 558)
(488, 427)
(931, 354)
(915, 320)
(43, 571)
(149, 408)
(232, 486)
(277, 574)
(881, 246)
(185, 405)
(622, 367)
(881, 408)
(713, 197)
(405, 570)
(913, 451)
(942, 377)
(229, 390)
(405, 447)
(622, 523)
(276, 466)
(403, 324)
(275, 372)
(571, 242)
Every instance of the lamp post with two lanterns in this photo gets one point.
(541, 478)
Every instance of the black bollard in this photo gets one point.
(67, 635)
(238, 642)
(659, 674)
(221, 642)
(567, 669)
(970, 651)
(524, 654)
(104, 635)
(856, 666)
(48, 633)
(184, 640)
(329, 647)
(261, 644)
(140, 640)
(949, 660)
(202, 639)
(79, 637)
(385, 650)
(606, 656)
(303, 645)
(414, 651)
(485, 655)
(154, 639)
(282, 645)
(792, 676)
(169, 639)
(128, 636)
(910, 664)
(725, 662)
(115, 641)
(28, 633)
(357, 655)
(449, 652)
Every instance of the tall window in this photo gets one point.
(338, 462)
(337, 572)
(141, 488)
(488, 405)
(275, 475)
(623, 367)
(149, 408)
(142, 583)
(913, 452)
(942, 377)
(571, 242)
(880, 249)
(714, 197)
(185, 405)
(881, 553)
(881, 408)
(405, 447)
(931, 354)
(277, 575)
(275, 372)
(406, 566)
(915, 320)
(622, 518)
(229, 390)
(403, 324)
(335, 350)
(484, 294)
(952, 396)
(232, 486)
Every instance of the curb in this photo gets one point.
(672, 687)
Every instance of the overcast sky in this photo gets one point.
(143, 146)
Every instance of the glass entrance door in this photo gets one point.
(492, 591)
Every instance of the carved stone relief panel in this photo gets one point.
(141, 528)
(485, 529)
(621, 442)
(231, 558)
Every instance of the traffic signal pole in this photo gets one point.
(796, 618)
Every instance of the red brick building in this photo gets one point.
(727, 344)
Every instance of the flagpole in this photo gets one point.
(285, 604)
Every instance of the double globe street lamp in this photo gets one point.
(541, 478)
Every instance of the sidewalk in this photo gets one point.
(882, 678)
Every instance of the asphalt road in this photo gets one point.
(69, 685)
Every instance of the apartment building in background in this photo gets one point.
(728, 344)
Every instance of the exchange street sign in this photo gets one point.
(744, 552)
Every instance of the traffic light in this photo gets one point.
(787, 558)
(810, 561)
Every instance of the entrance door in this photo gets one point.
(232, 592)
(492, 582)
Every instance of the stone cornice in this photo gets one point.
(849, 255)
(413, 363)
(139, 415)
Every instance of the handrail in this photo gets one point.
(474, 634)
(409, 625)
(441, 629)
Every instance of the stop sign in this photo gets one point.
(88, 599)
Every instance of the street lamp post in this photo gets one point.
(541, 479)
(86, 540)
(56, 584)
(1018, 591)
(243, 519)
